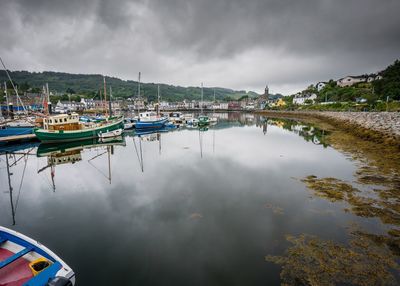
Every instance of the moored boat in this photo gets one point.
(150, 120)
(67, 127)
(26, 262)
(203, 120)
(110, 134)
(15, 128)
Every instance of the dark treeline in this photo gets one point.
(88, 85)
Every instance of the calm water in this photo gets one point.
(185, 207)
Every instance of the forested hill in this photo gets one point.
(88, 85)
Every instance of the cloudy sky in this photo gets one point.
(238, 44)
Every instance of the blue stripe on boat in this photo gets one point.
(26, 244)
(2, 240)
(15, 257)
(43, 277)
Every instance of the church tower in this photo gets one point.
(266, 92)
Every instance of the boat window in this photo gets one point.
(65, 119)
(51, 121)
(55, 121)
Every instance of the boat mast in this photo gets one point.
(201, 104)
(214, 104)
(12, 83)
(5, 91)
(48, 99)
(138, 94)
(109, 164)
(109, 102)
(158, 97)
(11, 190)
(105, 95)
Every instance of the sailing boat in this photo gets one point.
(14, 127)
(150, 119)
(203, 120)
(68, 127)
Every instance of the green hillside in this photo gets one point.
(88, 85)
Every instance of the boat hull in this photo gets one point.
(54, 136)
(13, 131)
(151, 124)
(24, 249)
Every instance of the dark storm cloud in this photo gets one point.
(232, 43)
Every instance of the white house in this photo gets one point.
(350, 80)
(320, 85)
(300, 99)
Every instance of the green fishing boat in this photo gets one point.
(67, 127)
(203, 120)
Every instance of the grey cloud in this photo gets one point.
(185, 42)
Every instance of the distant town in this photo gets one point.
(365, 92)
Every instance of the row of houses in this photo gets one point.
(350, 80)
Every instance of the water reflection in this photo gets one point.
(71, 152)
(206, 206)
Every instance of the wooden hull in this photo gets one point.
(54, 136)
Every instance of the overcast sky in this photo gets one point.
(239, 44)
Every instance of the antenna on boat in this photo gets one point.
(12, 83)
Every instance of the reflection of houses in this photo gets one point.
(301, 98)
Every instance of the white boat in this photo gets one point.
(129, 123)
(24, 261)
(110, 134)
(176, 118)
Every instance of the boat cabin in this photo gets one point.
(62, 122)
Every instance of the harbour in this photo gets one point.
(186, 194)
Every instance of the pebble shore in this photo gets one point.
(387, 123)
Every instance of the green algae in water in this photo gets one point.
(313, 261)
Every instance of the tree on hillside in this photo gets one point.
(389, 85)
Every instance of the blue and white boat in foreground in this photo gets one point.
(150, 120)
(16, 128)
(25, 262)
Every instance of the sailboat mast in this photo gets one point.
(11, 190)
(201, 104)
(48, 98)
(12, 83)
(109, 102)
(109, 164)
(158, 97)
(138, 94)
(105, 95)
(6, 93)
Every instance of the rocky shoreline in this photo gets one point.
(378, 126)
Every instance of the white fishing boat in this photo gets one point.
(111, 134)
